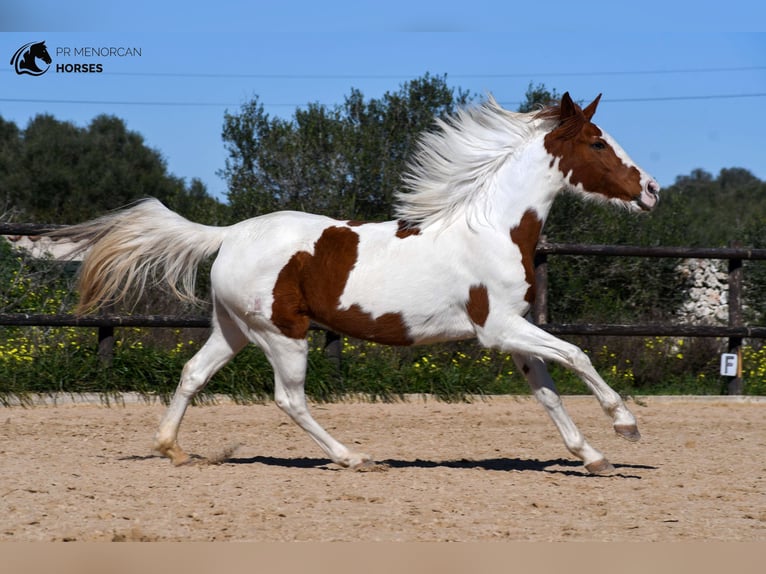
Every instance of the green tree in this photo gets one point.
(537, 97)
(56, 172)
(10, 145)
(345, 161)
(194, 203)
(383, 134)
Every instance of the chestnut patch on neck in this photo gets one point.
(309, 287)
(526, 235)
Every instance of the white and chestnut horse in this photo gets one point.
(456, 264)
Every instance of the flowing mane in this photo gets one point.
(453, 166)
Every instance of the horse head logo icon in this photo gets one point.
(25, 59)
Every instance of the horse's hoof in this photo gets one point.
(601, 467)
(371, 466)
(356, 460)
(176, 455)
(628, 432)
(187, 460)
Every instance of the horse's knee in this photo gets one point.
(282, 402)
(294, 406)
(579, 360)
(191, 380)
(548, 398)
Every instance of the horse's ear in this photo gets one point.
(568, 108)
(591, 109)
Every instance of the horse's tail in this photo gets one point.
(144, 243)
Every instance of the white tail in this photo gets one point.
(127, 248)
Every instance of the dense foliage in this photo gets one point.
(343, 161)
(55, 172)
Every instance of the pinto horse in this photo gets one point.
(456, 264)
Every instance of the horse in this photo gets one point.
(25, 59)
(455, 264)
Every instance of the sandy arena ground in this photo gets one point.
(494, 469)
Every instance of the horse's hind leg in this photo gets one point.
(224, 342)
(545, 391)
(288, 357)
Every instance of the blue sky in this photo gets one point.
(675, 101)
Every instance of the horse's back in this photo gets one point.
(368, 280)
(263, 244)
(255, 252)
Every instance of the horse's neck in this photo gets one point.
(528, 182)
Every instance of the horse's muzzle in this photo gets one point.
(649, 197)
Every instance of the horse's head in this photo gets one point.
(591, 162)
(25, 59)
(39, 50)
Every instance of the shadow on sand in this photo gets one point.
(570, 467)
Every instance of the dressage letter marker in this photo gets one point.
(729, 365)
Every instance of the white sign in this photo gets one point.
(729, 365)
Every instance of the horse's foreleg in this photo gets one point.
(288, 357)
(518, 336)
(523, 337)
(225, 341)
(545, 391)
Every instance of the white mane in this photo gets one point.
(454, 166)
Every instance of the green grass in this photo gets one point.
(65, 360)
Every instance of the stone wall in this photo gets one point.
(707, 300)
(42, 247)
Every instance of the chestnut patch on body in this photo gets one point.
(405, 230)
(310, 287)
(477, 304)
(525, 235)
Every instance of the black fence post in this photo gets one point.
(333, 347)
(735, 386)
(106, 345)
(540, 305)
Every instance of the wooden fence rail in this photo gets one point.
(735, 331)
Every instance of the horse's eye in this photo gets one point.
(598, 145)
